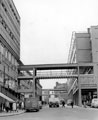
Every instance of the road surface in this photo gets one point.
(60, 113)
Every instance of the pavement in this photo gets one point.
(5, 114)
(82, 107)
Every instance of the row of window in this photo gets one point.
(10, 83)
(8, 30)
(12, 11)
(4, 52)
(11, 19)
(7, 80)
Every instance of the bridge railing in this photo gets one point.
(54, 73)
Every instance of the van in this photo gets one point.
(94, 102)
(31, 104)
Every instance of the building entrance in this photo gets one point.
(88, 95)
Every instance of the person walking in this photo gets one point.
(7, 106)
(63, 103)
(22, 105)
(17, 106)
(14, 107)
(72, 104)
(84, 104)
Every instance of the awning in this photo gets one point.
(6, 97)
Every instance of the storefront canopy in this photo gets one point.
(6, 97)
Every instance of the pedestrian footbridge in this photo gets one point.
(53, 71)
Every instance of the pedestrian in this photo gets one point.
(17, 106)
(22, 105)
(63, 103)
(3, 107)
(7, 106)
(14, 107)
(72, 104)
(84, 104)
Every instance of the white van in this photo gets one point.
(94, 102)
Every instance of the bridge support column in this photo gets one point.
(79, 89)
(34, 83)
(96, 75)
(80, 100)
(18, 84)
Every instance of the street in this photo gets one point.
(60, 113)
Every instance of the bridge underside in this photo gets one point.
(51, 71)
(53, 66)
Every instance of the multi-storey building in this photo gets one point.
(62, 91)
(9, 50)
(84, 51)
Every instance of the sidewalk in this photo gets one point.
(5, 114)
(82, 107)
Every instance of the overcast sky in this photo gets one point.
(47, 26)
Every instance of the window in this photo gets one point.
(1, 19)
(2, 49)
(13, 60)
(9, 56)
(6, 52)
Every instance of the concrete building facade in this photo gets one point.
(45, 96)
(9, 50)
(62, 95)
(84, 50)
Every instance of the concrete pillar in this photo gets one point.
(34, 88)
(80, 100)
(79, 86)
(96, 75)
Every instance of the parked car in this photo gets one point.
(94, 102)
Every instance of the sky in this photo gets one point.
(47, 26)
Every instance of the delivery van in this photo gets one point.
(31, 104)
